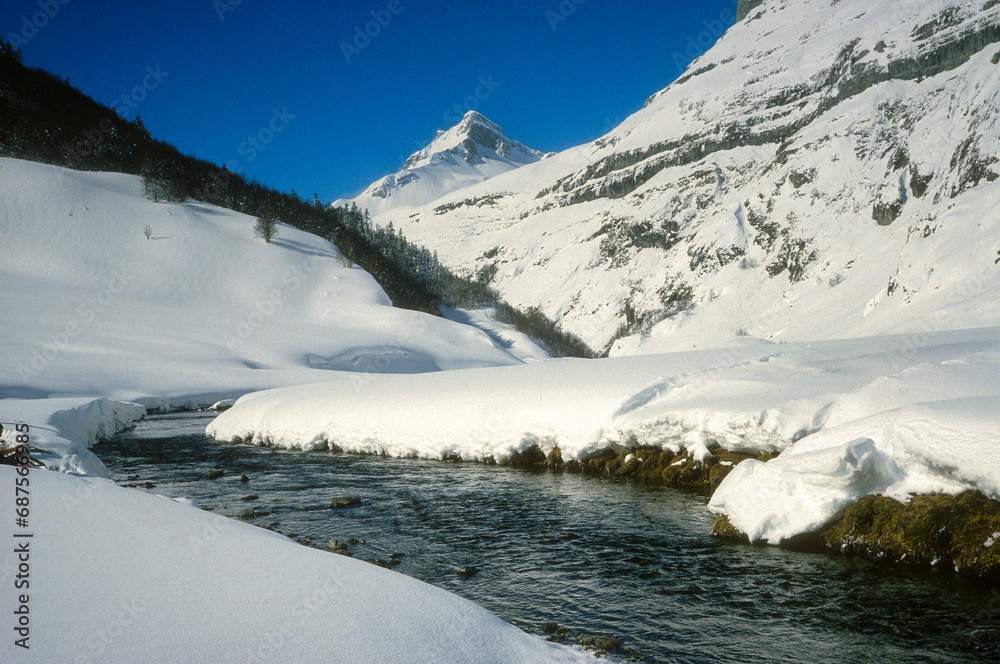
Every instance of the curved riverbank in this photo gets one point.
(959, 532)
(685, 470)
(599, 555)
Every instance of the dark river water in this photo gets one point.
(596, 556)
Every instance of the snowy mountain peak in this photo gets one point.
(472, 151)
(470, 139)
(828, 167)
(477, 118)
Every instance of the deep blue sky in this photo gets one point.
(221, 79)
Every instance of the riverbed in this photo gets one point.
(594, 556)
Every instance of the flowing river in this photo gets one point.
(595, 556)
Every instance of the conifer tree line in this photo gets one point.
(44, 119)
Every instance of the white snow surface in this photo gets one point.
(504, 335)
(201, 312)
(886, 415)
(122, 576)
(66, 427)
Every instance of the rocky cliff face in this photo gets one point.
(827, 169)
(744, 7)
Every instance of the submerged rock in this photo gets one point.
(214, 474)
(345, 501)
(606, 644)
(338, 547)
(465, 571)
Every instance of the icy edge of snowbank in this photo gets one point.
(66, 428)
(945, 447)
(854, 418)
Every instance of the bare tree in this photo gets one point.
(266, 227)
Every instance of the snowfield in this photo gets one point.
(89, 302)
(66, 427)
(786, 192)
(118, 575)
(888, 415)
(201, 312)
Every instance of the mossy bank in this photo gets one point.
(646, 464)
(959, 532)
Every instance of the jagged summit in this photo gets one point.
(472, 140)
(472, 151)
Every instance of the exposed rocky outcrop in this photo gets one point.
(744, 7)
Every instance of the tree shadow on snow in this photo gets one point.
(303, 248)
(466, 319)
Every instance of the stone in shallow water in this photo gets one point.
(345, 502)
(601, 643)
(214, 474)
(337, 546)
(465, 571)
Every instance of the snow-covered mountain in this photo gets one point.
(828, 169)
(472, 151)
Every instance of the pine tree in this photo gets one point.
(266, 227)
(140, 129)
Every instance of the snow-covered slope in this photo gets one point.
(828, 169)
(201, 311)
(887, 415)
(90, 306)
(472, 151)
